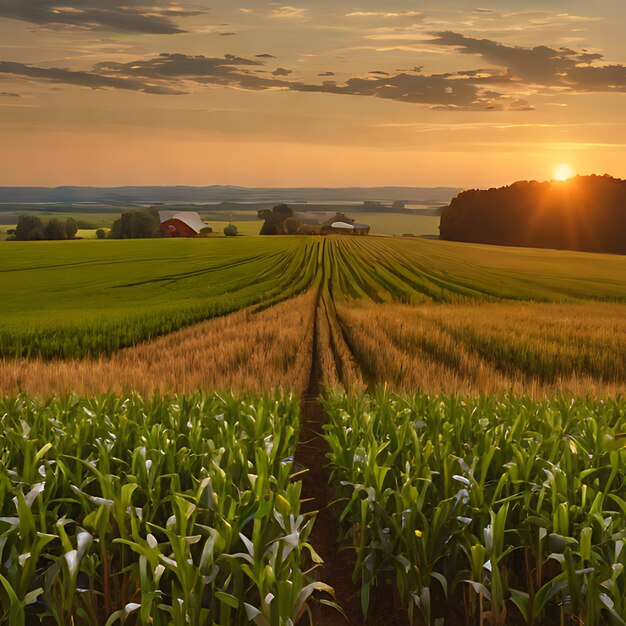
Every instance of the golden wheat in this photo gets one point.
(469, 348)
(525, 348)
(244, 351)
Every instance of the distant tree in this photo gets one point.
(55, 229)
(101, 233)
(585, 213)
(29, 228)
(279, 221)
(206, 231)
(135, 225)
(231, 230)
(71, 228)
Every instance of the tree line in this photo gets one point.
(131, 225)
(33, 228)
(586, 213)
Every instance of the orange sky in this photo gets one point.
(312, 93)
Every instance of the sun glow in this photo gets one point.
(563, 172)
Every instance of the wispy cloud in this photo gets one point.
(289, 12)
(384, 14)
(92, 79)
(114, 15)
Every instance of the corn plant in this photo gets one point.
(167, 511)
(500, 507)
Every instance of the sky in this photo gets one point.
(310, 93)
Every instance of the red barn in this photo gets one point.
(181, 223)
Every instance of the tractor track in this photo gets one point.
(318, 493)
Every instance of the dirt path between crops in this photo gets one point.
(319, 495)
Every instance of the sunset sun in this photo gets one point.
(563, 172)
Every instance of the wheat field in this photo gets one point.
(243, 351)
(528, 348)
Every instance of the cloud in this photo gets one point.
(7, 94)
(327, 74)
(281, 71)
(384, 14)
(288, 12)
(563, 68)
(115, 15)
(265, 56)
(168, 66)
(180, 73)
(84, 79)
(441, 91)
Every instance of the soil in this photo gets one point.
(319, 495)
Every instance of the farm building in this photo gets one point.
(345, 228)
(181, 224)
(341, 223)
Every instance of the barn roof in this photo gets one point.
(342, 225)
(191, 218)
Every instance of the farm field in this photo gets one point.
(92, 297)
(243, 351)
(486, 347)
(495, 509)
(78, 298)
(149, 511)
(488, 491)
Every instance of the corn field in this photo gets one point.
(493, 510)
(180, 510)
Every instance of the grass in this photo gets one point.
(71, 299)
(169, 511)
(507, 510)
(243, 351)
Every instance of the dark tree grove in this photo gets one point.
(71, 228)
(55, 229)
(29, 228)
(279, 221)
(32, 228)
(135, 225)
(586, 213)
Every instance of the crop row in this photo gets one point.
(100, 308)
(497, 509)
(166, 511)
(70, 301)
(241, 352)
(384, 269)
(488, 347)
